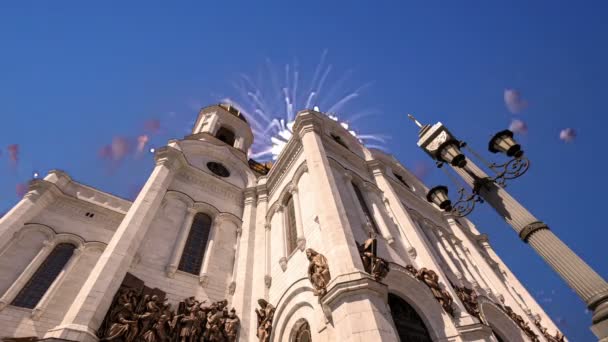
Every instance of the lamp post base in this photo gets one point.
(600, 322)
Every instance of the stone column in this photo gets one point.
(356, 304)
(374, 202)
(95, 296)
(469, 263)
(407, 245)
(444, 255)
(462, 258)
(589, 285)
(301, 241)
(281, 218)
(235, 268)
(448, 246)
(260, 281)
(364, 220)
(27, 273)
(41, 193)
(180, 242)
(243, 275)
(203, 276)
(340, 246)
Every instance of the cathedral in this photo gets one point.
(332, 242)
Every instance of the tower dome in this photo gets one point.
(225, 123)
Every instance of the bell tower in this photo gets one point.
(223, 123)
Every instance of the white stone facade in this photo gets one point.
(247, 255)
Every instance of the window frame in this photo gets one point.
(198, 264)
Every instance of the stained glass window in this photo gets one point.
(39, 283)
(192, 256)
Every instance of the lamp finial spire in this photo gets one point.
(415, 121)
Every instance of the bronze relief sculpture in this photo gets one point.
(265, 316)
(468, 298)
(372, 263)
(141, 314)
(431, 279)
(523, 325)
(558, 337)
(318, 272)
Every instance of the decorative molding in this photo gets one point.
(530, 229)
(283, 263)
(76, 209)
(211, 185)
(203, 280)
(267, 281)
(291, 152)
(231, 288)
(301, 243)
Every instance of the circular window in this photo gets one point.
(218, 169)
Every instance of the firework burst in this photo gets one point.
(271, 100)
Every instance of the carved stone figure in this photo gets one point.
(318, 271)
(523, 325)
(265, 316)
(142, 314)
(125, 326)
(411, 270)
(373, 264)
(231, 326)
(431, 279)
(559, 337)
(469, 299)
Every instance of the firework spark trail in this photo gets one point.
(270, 105)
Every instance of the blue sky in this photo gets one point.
(74, 75)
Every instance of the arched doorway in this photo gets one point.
(410, 326)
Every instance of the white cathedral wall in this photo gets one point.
(64, 216)
(157, 248)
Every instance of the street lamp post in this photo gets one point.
(443, 147)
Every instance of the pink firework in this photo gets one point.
(13, 153)
(21, 189)
(567, 135)
(514, 101)
(518, 126)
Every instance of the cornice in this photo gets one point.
(287, 158)
(211, 184)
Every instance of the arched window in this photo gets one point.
(291, 232)
(39, 283)
(410, 326)
(400, 178)
(364, 207)
(192, 257)
(301, 331)
(497, 335)
(225, 135)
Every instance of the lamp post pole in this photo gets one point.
(589, 285)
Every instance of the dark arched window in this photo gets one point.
(400, 178)
(497, 335)
(410, 326)
(301, 331)
(225, 135)
(192, 257)
(364, 207)
(291, 231)
(39, 283)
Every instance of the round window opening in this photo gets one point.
(218, 169)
